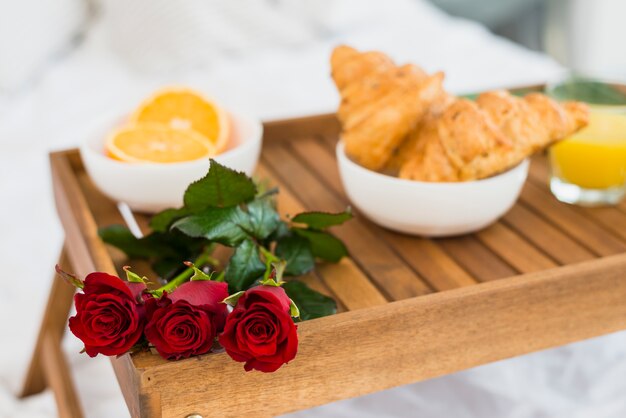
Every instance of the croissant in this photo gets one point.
(380, 102)
(407, 147)
(473, 140)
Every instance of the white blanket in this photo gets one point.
(94, 85)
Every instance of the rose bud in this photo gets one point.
(260, 331)
(109, 315)
(187, 321)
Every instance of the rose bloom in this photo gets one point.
(109, 315)
(260, 331)
(187, 321)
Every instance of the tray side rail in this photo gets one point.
(369, 350)
(87, 253)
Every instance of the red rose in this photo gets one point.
(109, 316)
(186, 322)
(260, 331)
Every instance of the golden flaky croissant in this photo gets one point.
(473, 140)
(400, 120)
(380, 102)
(407, 148)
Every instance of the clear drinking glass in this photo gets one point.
(589, 168)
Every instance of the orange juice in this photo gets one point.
(595, 157)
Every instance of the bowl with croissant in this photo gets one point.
(429, 208)
(417, 159)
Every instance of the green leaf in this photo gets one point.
(281, 231)
(296, 251)
(234, 298)
(120, 236)
(69, 278)
(221, 187)
(293, 309)
(244, 267)
(263, 217)
(133, 277)
(274, 274)
(167, 268)
(224, 225)
(311, 303)
(590, 91)
(162, 220)
(165, 250)
(322, 220)
(198, 275)
(323, 244)
(157, 244)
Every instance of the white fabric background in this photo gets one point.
(42, 30)
(95, 84)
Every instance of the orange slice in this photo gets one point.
(155, 143)
(186, 109)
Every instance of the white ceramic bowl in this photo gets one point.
(154, 187)
(430, 209)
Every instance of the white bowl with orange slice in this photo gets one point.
(167, 144)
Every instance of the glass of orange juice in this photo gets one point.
(589, 168)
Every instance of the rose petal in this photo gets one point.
(272, 294)
(178, 330)
(202, 292)
(103, 283)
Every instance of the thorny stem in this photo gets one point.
(204, 258)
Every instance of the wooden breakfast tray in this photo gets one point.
(411, 308)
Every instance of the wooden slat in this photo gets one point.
(315, 282)
(54, 321)
(85, 249)
(307, 126)
(610, 217)
(423, 255)
(368, 350)
(379, 261)
(539, 169)
(476, 258)
(544, 235)
(350, 285)
(430, 261)
(513, 249)
(588, 233)
(613, 219)
(58, 376)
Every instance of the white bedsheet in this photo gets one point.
(92, 86)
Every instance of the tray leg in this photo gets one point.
(48, 365)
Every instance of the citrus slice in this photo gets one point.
(186, 109)
(155, 143)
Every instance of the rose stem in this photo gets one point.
(186, 274)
